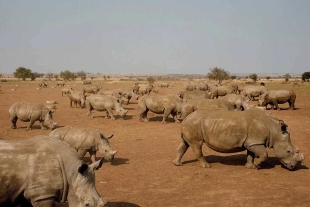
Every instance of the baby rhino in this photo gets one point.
(85, 140)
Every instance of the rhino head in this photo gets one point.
(82, 190)
(284, 150)
(105, 149)
(120, 110)
(48, 120)
(262, 101)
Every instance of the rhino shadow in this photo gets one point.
(121, 204)
(129, 109)
(119, 161)
(127, 117)
(160, 119)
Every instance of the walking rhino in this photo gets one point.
(235, 131)
(253, 91)
(275, 97)
(43, 171)
(104, 103)
(85, 140)
(31, 112)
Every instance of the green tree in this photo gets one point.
(67, 75)
(268, 77)
(305, 76)
(81, 74)
(22, 73)
(34, 75)
(218, 74)
(253, 77)
(287, 77)
(233, 77)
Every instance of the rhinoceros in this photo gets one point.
(77, 97)
(91, 88)
(275, 97)
(221, 91)
(60, 83)
(114, 92)
(187, 95)
(146, 89)
(239, 101)
(128, 94)
(189, 86)
(65, 91)
(43, 171)
(253, 91)
(160, 104)
(104, 103)
(85, 82)
(31, 112)
(235, 131)
(85, 140)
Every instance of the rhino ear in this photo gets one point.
(96, 165)
(82, 169)
(283, 125)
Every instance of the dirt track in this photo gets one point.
(142, 173)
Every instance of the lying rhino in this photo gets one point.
(104, 103)
(31, 112)
(77, 97)
(85, 140)
(42, 171)
(275, 97)
(160, 104)
(235, 131)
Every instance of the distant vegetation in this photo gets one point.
(23, 73)
(254, 77)
(218, 74)
(305, 76)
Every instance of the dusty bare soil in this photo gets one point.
(143, 174)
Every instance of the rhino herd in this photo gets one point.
(219, 116)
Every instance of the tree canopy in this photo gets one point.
(67, 75)
(253, 77)
(218, 74)
(81, 74)
(23, 73)
(287, 77)
(305, 76)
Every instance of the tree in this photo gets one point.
(150, 79)
(287, 77)
(233, 77)
(218, 74)
(49, 76)
(267, 77)
(81, 74)
(305, 76)
(1, 75)
(253, 77)
(67, 75)
(22, 73)
(34, 75)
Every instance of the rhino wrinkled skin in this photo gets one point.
(31, 112)
(78, 98)
(253, 91)
(275, 97)
(42, 171)
(104, 103)
(85, 140)
(235, 131)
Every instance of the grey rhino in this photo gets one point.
(77, 97)
(113, 92)
(60, 83)
(275, 97)
(85, 140)
(146, 89)
(235, 131)
(91, 88)
(187, 95)
(85, 82)
(160, 104)
(253, 91)
(65, 91)
(104, 103)
(221, 91)
(31, 112)
(239, 101)
(42, 171)
(128, 94)
(189, 86)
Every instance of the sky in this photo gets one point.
(155, 37)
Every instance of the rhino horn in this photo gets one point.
(114, 152)
(96, 165)
(109, 137)
(296, 150)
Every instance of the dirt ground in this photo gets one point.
(143, 174)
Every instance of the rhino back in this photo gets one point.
(25, 111)
(34, 168)
(102, 102)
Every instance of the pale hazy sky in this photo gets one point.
(162, 36)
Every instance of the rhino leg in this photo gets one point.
(31, 123)
(44, 203)
(81, 153)
(260, 152)
(42, 127)
(92, 156)
(175, 117)
(166, 114)
(90, 108)
(13, 122)
(198, 152)
(250, 159)
(110, 112)
(180, 152)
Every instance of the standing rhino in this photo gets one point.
(114, 92)
(253, 91)
(146, 89)
(221, 91)
(91, 88)
(85, 140)
(275, 97)
(128, 94)
(65, 91)
(239, 101)
(60, 83)
(160, 104)
(31, 112)
(43, 84)
(189, 86)
(78, 98)
(187, 95)
(235, 131)
(42, 171)
(85, 82)
(104, 103)
(203, 86)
